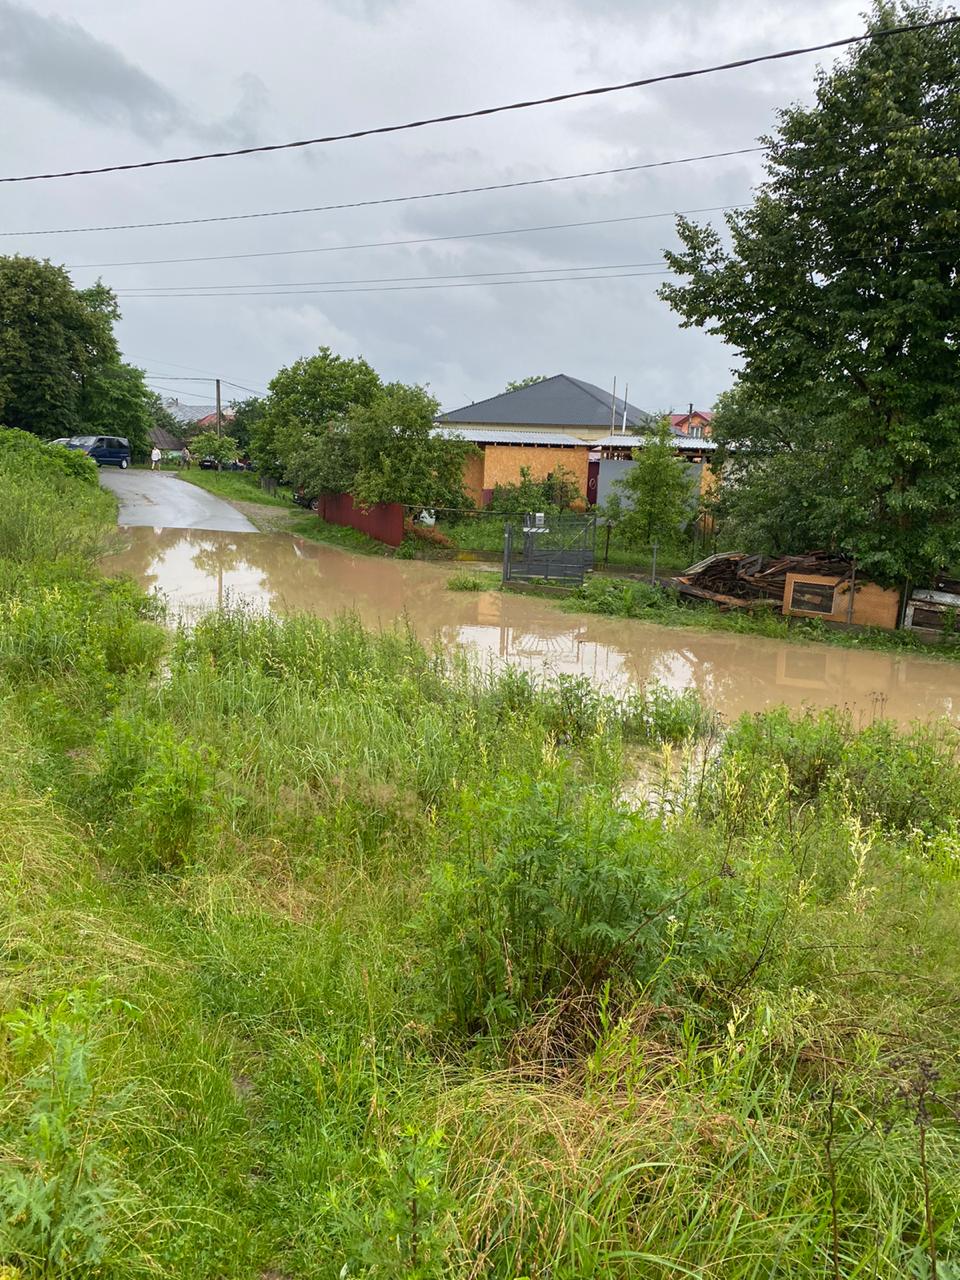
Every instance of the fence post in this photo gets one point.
(507, 540)
(653, 570)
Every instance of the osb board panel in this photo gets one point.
(502, 463)
(473, 477)
(873, 606)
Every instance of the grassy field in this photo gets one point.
(323, 956)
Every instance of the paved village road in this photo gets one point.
(165, 501)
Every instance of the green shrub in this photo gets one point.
(901, 780)
(549, 893)
(153, 788)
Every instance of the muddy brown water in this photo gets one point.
(732, 673)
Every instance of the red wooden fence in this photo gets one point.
(384, 521)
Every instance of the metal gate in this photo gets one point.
(550, 547)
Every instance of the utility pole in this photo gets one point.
(219, 414)
(613, 407)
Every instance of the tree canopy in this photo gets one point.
(840, 292)
(246, 414)
(60, 369)
(52, 338)
(385, 451)
(303, 400)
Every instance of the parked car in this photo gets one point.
(106, 451)
(208, 464)
(63, 440)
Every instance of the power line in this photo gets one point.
(152, 377)
(298, 284)
(384, 244)
(498, 110)
(211, 377)
(386, 284)
(365, 204)
(469, 284)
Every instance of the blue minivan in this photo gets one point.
(106, 451)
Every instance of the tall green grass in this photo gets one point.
(325, 954)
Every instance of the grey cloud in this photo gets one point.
(57, 59)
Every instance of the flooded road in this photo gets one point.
(195, 569)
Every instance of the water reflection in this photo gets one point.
(195, 569)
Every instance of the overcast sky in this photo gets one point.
(91, 82)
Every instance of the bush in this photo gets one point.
(904, 781)
(556, 489)
(543, 900)
(153, 789)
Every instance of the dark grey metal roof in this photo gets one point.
(503, 435)
(560, 401)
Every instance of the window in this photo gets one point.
(812, 597)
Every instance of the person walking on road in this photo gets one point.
(154, 458)
(185, 458)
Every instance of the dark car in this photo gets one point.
(208, 464)
(106, 451)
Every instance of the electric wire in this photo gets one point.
(365, 204)
(469, 284)
(456, 275)
(385, 244)
(449, 118)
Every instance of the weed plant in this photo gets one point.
(326, 955)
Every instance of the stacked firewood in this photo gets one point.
(736, 580)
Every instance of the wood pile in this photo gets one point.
(735, 581)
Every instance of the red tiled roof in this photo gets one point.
(704, 414)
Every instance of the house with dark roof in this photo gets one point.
(561, 405)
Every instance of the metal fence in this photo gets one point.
(549, 547)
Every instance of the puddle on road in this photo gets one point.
(732, 673)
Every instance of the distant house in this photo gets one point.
(203, 417)
(697, 424)
(164, 440)
(562, 405)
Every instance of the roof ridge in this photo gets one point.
(488, 399)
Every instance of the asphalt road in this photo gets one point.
(165, 501)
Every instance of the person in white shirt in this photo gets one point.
(154, 458)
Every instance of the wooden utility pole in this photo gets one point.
(219, 414)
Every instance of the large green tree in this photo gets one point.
(305, 398)
(386, 451)
(53, 337)
(116, 401)
(840, 291)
